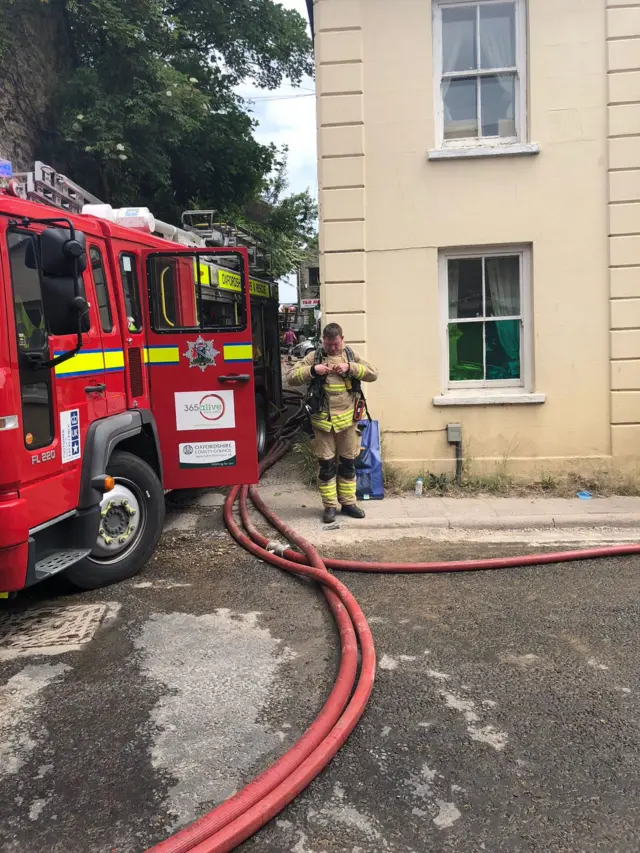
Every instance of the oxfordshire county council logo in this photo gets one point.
(201, 353)
(188, 449)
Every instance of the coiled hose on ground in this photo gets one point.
(243, 814)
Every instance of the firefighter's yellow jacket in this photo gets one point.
(339, 398)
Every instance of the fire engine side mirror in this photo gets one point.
(59, 254)
(61, 258)
(62, 306)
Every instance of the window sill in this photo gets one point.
(509, 149)
(495, 398)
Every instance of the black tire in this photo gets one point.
(262, 426)
(93, 572)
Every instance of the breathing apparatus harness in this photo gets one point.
(316, 398)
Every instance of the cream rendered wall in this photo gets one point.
(386, 210)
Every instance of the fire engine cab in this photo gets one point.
(126, 370)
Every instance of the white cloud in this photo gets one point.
(287, 116)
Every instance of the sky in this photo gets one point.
(288, 116)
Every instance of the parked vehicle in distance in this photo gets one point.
(301, 349)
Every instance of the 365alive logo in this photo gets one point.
(211, 407)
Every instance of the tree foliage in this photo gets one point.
(148, 113)
(286, 224)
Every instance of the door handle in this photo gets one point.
(234, 377)
(95, 389)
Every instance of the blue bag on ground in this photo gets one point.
(369, 482)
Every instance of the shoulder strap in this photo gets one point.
(351, 356)
(319, 355)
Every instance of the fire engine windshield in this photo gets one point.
(31, 335)
(27, 293)
(197, 292)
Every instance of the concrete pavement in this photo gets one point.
(480, 518)
(482, 513)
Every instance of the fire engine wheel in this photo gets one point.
(262, 425)
(131, 521)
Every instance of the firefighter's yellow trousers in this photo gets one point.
(336, 453)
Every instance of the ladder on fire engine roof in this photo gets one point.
(200, 227)
(47, 186)
(222, 234)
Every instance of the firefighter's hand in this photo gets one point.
(342, 369)
(321, 369)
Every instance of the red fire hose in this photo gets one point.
(246, 812)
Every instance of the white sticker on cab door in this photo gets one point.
(70, 435)
(210, 454)
(205, 410)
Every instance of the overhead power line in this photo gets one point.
(277, 97)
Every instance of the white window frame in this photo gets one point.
(488, 387)
(521, 118)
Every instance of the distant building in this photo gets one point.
(479, 174)
(309, 291)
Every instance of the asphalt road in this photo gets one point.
(504, 717)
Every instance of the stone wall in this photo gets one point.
(29, 71)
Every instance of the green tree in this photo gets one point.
(286, 224)
(148, 114)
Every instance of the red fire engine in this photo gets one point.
(126, 370)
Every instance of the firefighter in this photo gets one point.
(334, 373)
(30, 335)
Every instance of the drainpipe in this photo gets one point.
(310, 12)
(454, 436)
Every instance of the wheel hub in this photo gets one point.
(119, 521)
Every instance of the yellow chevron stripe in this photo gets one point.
(238, 353)
(162, 355)
(83, 362)
(114, 359)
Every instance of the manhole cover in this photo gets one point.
(53, 626)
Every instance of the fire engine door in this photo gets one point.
(201, 367)
(57, 406)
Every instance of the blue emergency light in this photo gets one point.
(6, 171)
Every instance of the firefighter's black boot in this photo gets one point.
(353, 511)
(329, 515)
